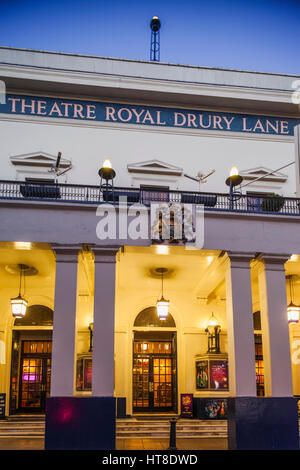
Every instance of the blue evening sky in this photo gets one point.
(241, 34)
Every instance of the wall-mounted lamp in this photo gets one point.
(91, 328)
(213, 330)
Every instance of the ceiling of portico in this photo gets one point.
(196, 272)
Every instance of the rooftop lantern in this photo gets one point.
(162, 305)
(293, 311)
(213, 329)
(234, 179)
(19, 304)
(107, 173)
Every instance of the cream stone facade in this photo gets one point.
(244, 270)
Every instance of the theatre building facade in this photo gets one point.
(149, 247)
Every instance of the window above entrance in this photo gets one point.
(37, 315)
(148, 317)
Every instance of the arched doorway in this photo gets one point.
(154, 363)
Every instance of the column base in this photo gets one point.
(258, 423)
(74, 423)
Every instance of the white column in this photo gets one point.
(274, 324)
(104, 321)
(240, 334)
(63, 346)
(297, 158)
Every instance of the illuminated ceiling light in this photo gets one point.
(23, 245)
(19, 304)
(162, 249)
(162, 305)
(293, 311)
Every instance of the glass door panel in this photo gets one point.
(153, 376)
(31, 383)
(35, 375)
(141, 382)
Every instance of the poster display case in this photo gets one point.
(84, 373)
(212, 372)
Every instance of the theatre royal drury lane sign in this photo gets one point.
(146, 115)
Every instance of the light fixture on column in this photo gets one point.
(293, 311)
(213, 329)
(19, 304)
(107, 173)
(162, 305)
(233, 180)
(91, 328)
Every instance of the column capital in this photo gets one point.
(66, 253)
(105, 254)
(240, 259)
(273, 261)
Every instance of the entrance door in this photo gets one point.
(154, 376)
(35, 373)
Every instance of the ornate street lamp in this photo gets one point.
(234, 179)
(107, 173)
(19, 304)
(162, 305)
(293, 311)
(213, 330)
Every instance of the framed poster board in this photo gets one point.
(214, 408)
(218, 375)
(84, 374)
(202, 375)
(186, 401)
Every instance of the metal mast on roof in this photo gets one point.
(155, 39)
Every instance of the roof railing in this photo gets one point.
(89, 194)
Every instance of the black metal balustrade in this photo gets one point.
(76, 193)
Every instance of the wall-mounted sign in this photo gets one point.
(186, 400)
(2, 405)
(61, 108)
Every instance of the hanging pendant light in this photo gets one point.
(19, 304)
(162, 305)
(293, 311)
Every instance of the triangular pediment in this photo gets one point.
(154, 166)
(38, 159)
(259, 172)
